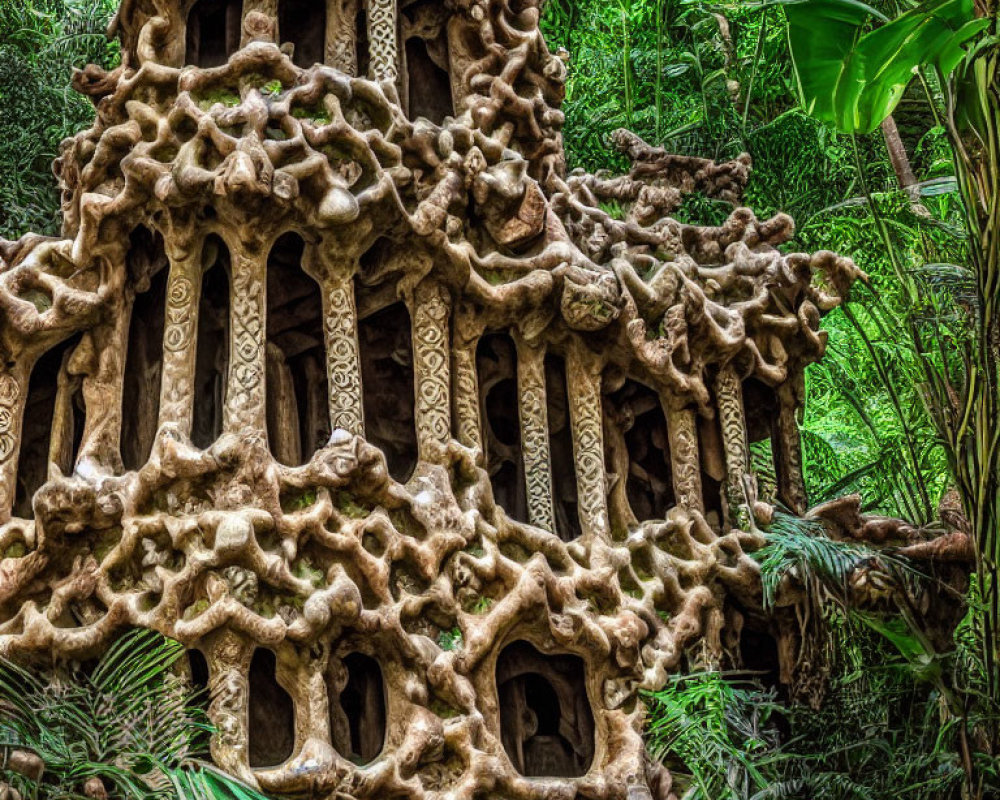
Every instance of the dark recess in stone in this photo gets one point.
(496, 366)
(40, 421)
(387, 387)
(272, 713)
(430, 86)
(303, 23)
(213, 32)
(546, 722)
(357, 713)
(212, 362)
(144, 359)
(298, 418)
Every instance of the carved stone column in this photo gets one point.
(584, 392)
(382, 40)
(788, 454)
(341, 36)
(729, 396)
(465, 379)
(246, 399)
(343, 360)
(228, 655)
(180, 338)
(685, 458)
(430, 312)
(13, 395)
(535, 434)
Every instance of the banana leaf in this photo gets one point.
(852, 76)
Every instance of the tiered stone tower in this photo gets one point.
(432, 454)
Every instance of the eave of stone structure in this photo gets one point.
(576, 558)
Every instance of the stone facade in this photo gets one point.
(338, 377)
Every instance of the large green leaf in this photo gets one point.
(853, 77)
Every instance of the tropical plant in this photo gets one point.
(131, 722)
(714, 731)
(896, 704)
(41, 41)
(958, 361)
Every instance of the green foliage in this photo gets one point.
(879, 733)
(131, 721)
(714, 733)
(853, 78)
(450, 639)
(41, 41)
(800, 548)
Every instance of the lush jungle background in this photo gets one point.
(875, 127)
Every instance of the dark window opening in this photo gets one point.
(198, 675)
(713, 472)
(53, 424)
(213, 32)
(760, 404)
(546, 722)
(561, 449)
(759, 654)
(363, 50)
(212, 361)
(429, 83)
(303, 23)
(387, 387)
(198, 667)
(298, 418)
(144, 357)
(271, 713)
(496, 365)
(357, 710)
(649, 484)
(763, 410)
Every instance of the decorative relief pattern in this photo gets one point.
(382, 40)
(467, 396)
(10, 401)
(245, 406)
(588, 445)
(229, 691)
(342, 358)
(179, 344)
(341, 49)
(535, 435)
(10, 395)
(431, 357)
(729, 396)
(685, 459)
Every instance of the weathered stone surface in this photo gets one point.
(338, 378)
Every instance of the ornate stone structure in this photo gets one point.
(338, 378)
